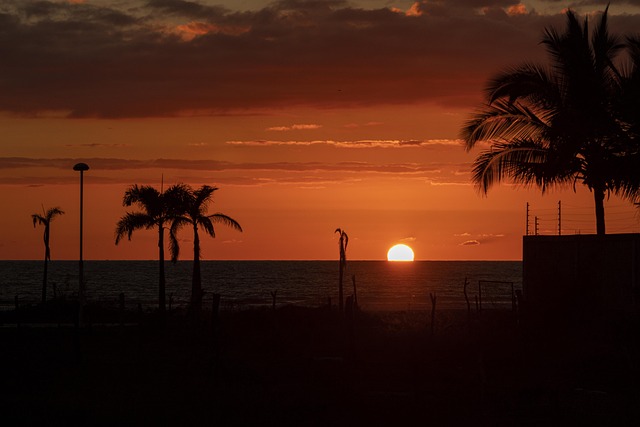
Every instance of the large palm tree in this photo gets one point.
(45, 219)
(157, 210)
(557, 125)
(194, 207)
(342, 243)
(628, 108)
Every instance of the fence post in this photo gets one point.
(121, 308)
(433, 298)
(17, 304)
(355, 292)
(466, 296)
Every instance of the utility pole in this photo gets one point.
(536, 225)
(81, 167)
(527, 233)
(559, 217)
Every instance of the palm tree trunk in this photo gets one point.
(44, 279)
(47, 256)
(340, 296)
(162, 304)
(598, 195)
(196, 282)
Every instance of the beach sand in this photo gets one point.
(308, 366)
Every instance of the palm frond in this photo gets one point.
(47, 216)
(53, 212)
(176, 200)
(629, 186)
(606, 47)
(178, 222)
(38, 219)
(570, 51)
(524, 161)
(174, 246)
(633, 48)
(132, 221)
(226, 220)
(502, 120)
(206, 224)
(531, 82)
(202, 196)
(146, 198)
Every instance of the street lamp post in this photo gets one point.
(80, 167)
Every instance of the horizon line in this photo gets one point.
(271, 260)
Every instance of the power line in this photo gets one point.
(575, 219)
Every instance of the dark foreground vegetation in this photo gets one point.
(304, 366)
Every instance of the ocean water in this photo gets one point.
(380, 285)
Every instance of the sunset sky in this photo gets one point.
(308, 116)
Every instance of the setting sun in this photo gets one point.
(400, 253)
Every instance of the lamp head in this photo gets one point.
(80, 167)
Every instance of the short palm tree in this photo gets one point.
(194, 207)
(45, 219)
(342, 243)
(157, 209)
(557, 125)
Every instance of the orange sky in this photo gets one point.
(307, 115)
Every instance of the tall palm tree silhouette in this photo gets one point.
(158, 209)
(45, 219)
(557, 125)
(194, 207)
(629, 111)
(342, 242)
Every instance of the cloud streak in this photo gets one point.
(294, 127)
(249, 173)
(97, 145)
(373, 143)
(214, 165)
(482, 238)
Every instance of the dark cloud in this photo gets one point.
(186, 9)
(170, 57)
(587, 3)
(469, 5)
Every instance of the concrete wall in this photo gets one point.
(582, 273)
